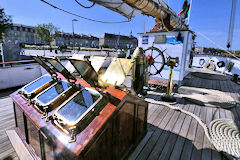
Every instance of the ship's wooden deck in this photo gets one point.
(7, 122)
(171, 134)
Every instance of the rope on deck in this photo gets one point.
(222, 133)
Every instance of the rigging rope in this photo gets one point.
(217, 44)
(74, 14)
(85, 6)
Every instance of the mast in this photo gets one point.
(188, 19)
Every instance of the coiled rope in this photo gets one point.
(226, 140)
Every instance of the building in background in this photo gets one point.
(17, 35)
(118, 41)
(76, 40)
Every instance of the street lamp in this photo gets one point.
(73, 30)
(73, 25)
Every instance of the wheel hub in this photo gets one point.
(150, 59)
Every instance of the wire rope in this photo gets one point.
(74, 14)
(93, 3)
(216, 44)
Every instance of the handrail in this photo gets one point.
(15, 62)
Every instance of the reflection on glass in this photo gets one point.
(86, 71)
(73, 110)
(56, 64)
(53, 92)
(81, 66)
(60, 68)
(37, 84)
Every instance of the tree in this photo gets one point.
(46, 32)
(5, 23)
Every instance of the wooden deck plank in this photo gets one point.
(155, 113)
(173, 137)
(207, 151)
(162, 140)
(151, 130)
(198, 142)
(146, 149)
(188, 145)
(151, 109)
(23, 153)
(152, 141)
(5, 154)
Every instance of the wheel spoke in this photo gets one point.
(155, 67)
(149, 70)
(151, 52)
(158, 62)
(157, 56)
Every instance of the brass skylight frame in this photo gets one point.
(89, 112)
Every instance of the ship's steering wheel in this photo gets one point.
(155, 60)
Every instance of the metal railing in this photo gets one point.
(12, 63)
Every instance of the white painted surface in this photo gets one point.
(226, 60)
(29, 52)
(181, 50)
(18, 75)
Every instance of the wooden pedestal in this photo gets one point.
(111, 135)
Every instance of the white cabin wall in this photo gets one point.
(181, 50)
(186, 53)
(226, 60)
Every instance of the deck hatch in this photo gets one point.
(37, 84)
(60, 68)
(32, 89)
(53, 92)
(78, 106)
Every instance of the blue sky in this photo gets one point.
(209, 17)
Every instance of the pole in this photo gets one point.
(72, 27)
(73, 31)
(169, 87)
(231, 24)
(1, 46)
(144, 24)
(189, 12)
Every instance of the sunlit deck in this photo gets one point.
(171, 134)
(7, 122)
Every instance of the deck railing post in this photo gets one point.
(1, 47)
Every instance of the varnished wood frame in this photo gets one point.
(112, 120)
